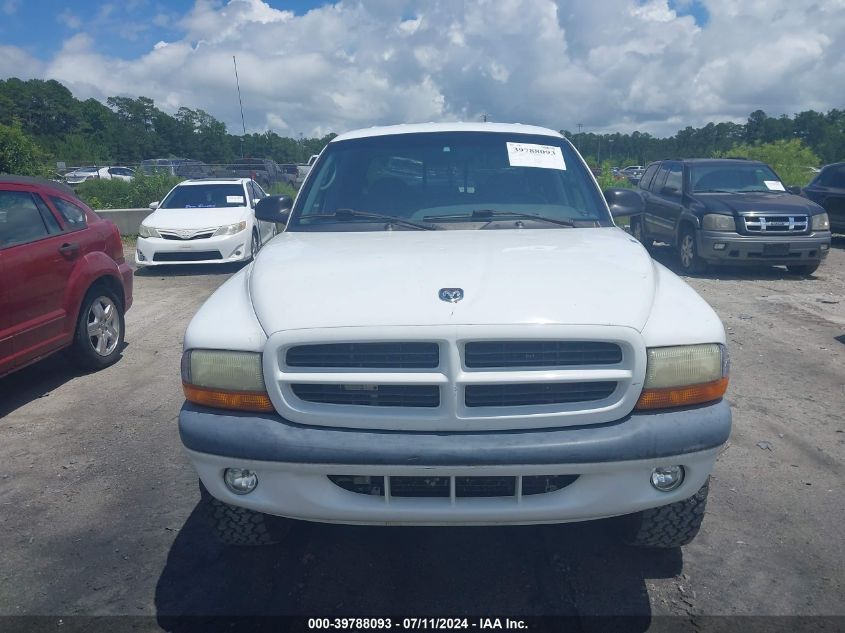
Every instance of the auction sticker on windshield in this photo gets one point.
(531, 155)
(774, 185)
(234, 199)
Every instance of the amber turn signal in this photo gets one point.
(669, 397)
(237, 400)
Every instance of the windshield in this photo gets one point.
(451, 180)
(204, 197)
(734, 178)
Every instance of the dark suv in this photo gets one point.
(828, 190)
(729, 211)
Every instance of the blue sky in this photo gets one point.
(313, 67)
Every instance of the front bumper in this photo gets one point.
(614, 462)
(156, 251)
(771, 250)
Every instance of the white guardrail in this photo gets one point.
(127, 220)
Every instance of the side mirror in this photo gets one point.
(794, 189)
(624, 202)
(669, 191)
(274, 209)
(154, 205)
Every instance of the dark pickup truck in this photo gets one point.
(262, 170)
(729, 211)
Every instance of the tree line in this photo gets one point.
(44, 117)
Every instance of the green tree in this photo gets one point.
(19, 154)
(790, 159)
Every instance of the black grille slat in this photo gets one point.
(485, 486)
(488, 354)
(369, 395)
(528, 394)
(187, 256)
(419, 487)
(541, 484)
(398, 355)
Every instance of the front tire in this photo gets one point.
(691, 262)
(805, 270)
(98, 339)
(638, 233)
(667, 526)
(254, 245)
(233, 525)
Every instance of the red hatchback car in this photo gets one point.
(63, 280)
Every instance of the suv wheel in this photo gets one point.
(691, 263)
(667, 526)
(638, 233)
(233, 525)
(98, 339)
(804, 270)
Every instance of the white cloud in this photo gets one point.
(614, 65)
(69, 19)
(15, 62)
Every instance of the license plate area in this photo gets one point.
(775, 250)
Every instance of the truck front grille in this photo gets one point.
(528, 394)
(774, 223)
(369, 395)
(392, 355)
(481, 354)
(458, 487)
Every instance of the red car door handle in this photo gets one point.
(69, 250)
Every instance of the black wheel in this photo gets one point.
(254, 245)
(804, 270)
(691, 263)
(98, 339)
(239, 526)
(667, 526)
(638, 233)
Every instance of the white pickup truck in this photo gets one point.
(452, 331)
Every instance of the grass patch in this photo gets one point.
(119, 194)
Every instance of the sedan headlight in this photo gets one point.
(716, 222)
(225, 379)
(820, 222)
(147, 231)
(684, 375)
(230, 229)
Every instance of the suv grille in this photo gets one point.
(536, 393)
(369, 395)
(465, 487)
(772, 223)
(365, 355)
(480, 354)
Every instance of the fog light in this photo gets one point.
(824, 247)
(140, 256)
(719, 246)
(239, 481)
(667, 478)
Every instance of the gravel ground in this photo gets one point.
(98, 508)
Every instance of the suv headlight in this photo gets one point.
(230, 229)
(716, 222)
(225, 379)
(820, 222)
(147, 231)
(684, 375)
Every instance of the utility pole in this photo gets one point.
(484, 117)
(243, 122)
(578, 142)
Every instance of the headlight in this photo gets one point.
(147, 231)
(716, 222)
(230, 229)
(225, 379)
(684, 375)
(820, 222)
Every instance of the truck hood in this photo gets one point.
(745, 202)
(595, 276)
(195, 218)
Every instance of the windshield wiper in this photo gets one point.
(714, 191)
(345, 214)
(486, 215)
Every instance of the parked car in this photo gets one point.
(289, 174)
(81, 174)
(730, 211)
(64, 284)
(828, 190)
(262, 170)
(183, 167)
(482, 349)
(207, 221)
(633, 173)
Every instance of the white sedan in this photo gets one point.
(82, 174)
(208, 221)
